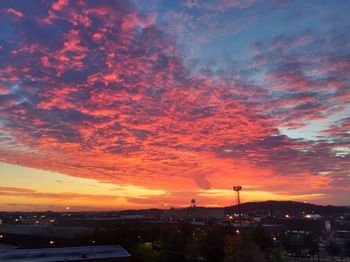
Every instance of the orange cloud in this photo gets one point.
(106, 94)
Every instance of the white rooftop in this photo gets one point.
(64, 254)
(44, 230)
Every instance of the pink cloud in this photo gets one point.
(108, 97)
(14, 12)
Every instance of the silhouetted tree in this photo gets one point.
(212, 244)
(333, 248)
(242, 249)
(311, 243)
(144, 252)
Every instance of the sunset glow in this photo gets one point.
(109, 105)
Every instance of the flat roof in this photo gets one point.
(47, 230)
(64, 254)
(6, 247)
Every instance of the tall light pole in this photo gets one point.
(193, 209)
(237, 189)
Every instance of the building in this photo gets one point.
(207, 213)
(85, 253)
(46, 231)
(296, 225)
(342, 236)
(175, 214)
(4, 247)
(194, 213)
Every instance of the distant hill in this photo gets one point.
(264, 206)
(144, 212)
(291, 207)
(287, 207)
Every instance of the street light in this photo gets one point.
(237, 189)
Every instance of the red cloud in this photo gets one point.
(14, 12)
(123, 110)
(103, 93)
(60, 4)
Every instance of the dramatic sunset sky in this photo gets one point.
(136, 104)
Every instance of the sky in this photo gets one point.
(110, 105)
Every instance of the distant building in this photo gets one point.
(175, 214)
(204, 213)
(130, 217)
(342, 236)
(327, 225)
(296, 225)
(313, 216)
(46, 231)
(194, 213)
(257, 216)
(4, 247)
(84, 253)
